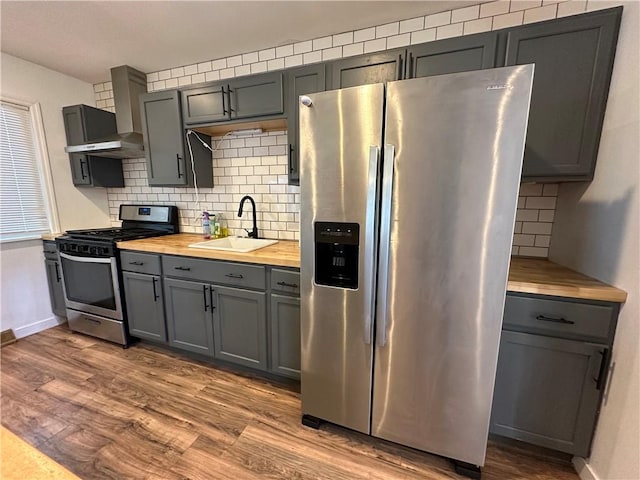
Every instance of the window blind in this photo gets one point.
(23, 208)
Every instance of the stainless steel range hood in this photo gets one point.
(128, 85)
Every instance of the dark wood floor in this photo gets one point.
(105, 412)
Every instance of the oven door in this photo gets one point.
(91, 285)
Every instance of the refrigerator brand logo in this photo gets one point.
(505, 86)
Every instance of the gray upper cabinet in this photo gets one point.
(82, 124)
(453, 55)
(367, 69)
(240, 326)
(285, 335)
(145, 307)
(166, 151)
(189, 318)
(547, 391)
(253, 96)
(300, 81)
(573, 62)
(54, 279)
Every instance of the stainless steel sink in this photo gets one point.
(235, 244)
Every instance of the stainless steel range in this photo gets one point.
(90, 273)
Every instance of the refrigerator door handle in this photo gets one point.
(385, 239)
(370, 243)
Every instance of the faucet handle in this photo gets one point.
(249, 232)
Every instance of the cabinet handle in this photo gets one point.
(224, 107)
(211, 292)
(136, 263)
(82, 169)
(57, 273)
(186, 269)
(564, 321)
(291, 159)
(602, 372)
(92, 320)
(399, 75)
(234, 275)
(229, 91)
(285, 284)
(178, 159)
(410, 66)
(155, 293)
(204, 295)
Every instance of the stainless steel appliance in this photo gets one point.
(90, 273)
(408, 205)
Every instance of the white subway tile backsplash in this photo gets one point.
(573, 7)
(227, 73)
(364, 35)
(259, 67)
(249, 58)
(423, 36)
(243, 70)
(388, 30)
(275, 64)
(234, 61)
(190, 69)
(353, 49)
(411, 25)
(159, 85)
(219, 64)
(540, 14)
(375, 45)
(448, 31)
(177, 72)
(267, 54)
(184, 81)
(437, 19)
(302, 47)
(331, 53)
(293, 61)
(465, 14)
(322, 43)
(170, 83)
(533, 252)
(342, 39)
(548, 203)
(284, 51)
(494, 8)
(517, 5)
(507, 20)
(197, 78)
(204, 67)
(312, 57)
(399, 40)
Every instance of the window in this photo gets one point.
(23, 198)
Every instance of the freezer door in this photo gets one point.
(340, 136)
(454, 147)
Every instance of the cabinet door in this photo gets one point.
(300, 81)
(285, 335)
(453, 55)
(80, 173)
(189, 320)
(239, 321)
(573, 62)
(546, 391)
(367, 69)
(205, 104)
(56, 294)
(163, 138)
(256, 95)
(145, 307)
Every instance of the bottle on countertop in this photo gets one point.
(222, 224)
(206, 225)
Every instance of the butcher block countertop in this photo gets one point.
(526, 275)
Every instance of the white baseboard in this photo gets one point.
(38, 326)
(583, 469)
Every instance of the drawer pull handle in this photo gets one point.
(285, 284)
(136, 263)
(564, 321)
(602, 373)
(97, 322)
(233, 275)
(186, 269)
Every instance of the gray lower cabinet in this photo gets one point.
(552, 370)
(189, 318)
(56, 294)
(240, 326)
(165, 145)
(285, 335)
(145, 306)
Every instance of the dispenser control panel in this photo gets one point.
(337, 248)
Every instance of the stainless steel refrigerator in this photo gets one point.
(408, 202)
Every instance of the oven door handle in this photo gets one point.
(85, 259)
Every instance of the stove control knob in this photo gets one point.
(93, 250)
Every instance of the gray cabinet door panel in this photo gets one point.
(365, 70)
(285, 336)
(453, 55)
(545, 392)
(56, 294)
(574, 60)
(205, 105)
(189, 324)
(145, 306)
(240, 330)
(300, 81)
(256, 95)
(163, 142)
(80, 173)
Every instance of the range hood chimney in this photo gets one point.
(128, 84)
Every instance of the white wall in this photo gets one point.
(597, 232)
(25, 305)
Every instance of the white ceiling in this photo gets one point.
(84, 39)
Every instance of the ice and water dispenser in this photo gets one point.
(336, 254)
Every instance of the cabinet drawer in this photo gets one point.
(558, 318)
(211, 271)
(140, 262)
(285, 281)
